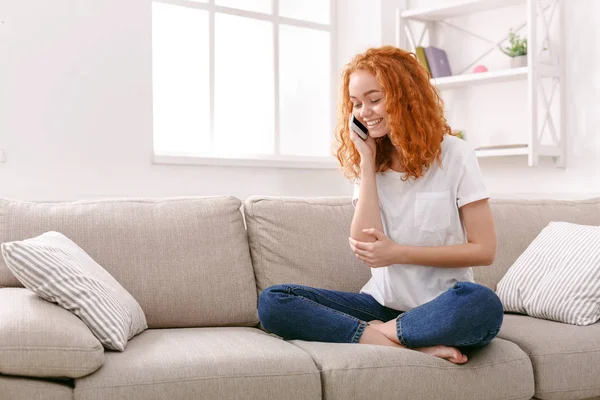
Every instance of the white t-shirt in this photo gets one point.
(424, 212)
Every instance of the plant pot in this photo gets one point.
(518, 61)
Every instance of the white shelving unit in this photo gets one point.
(539, 105)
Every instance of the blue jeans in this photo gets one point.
(466, 315)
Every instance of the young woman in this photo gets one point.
(421, 220)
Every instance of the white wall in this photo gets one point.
(76, 109)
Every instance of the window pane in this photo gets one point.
(180, 74)
(307, 10)
(262, 6)
(305, 91)
(244, 86)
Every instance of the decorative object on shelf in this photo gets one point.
(459, 134)
(420, 53)
(480, 68)
(517, 50)
(518, 62)
(437, 59)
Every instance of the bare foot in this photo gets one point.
(451, 354)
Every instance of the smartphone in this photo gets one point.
(359, 128)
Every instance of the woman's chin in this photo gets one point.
(377, 134)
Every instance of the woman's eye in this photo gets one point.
(356, 106)
(375, 101)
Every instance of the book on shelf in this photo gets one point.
(437, 60)
(420, 53)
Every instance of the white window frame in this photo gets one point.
(276, 160)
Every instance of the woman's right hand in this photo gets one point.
(366, 148)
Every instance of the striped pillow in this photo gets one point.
(557, 277)
(58, 270)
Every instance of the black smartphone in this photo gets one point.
(359, 128)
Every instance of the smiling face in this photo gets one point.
(368, 102)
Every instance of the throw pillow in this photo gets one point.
(58, 270)
(557, 277)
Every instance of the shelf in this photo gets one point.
(505, 75)
(457, 9)
(508, 150)
(544, 19)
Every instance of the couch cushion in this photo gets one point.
(518, 222)
(14, 388)
(565, 358)
(501, 370)
(41, 339)
(171, 254)
(207, 363)
(57, 270)
(303, 241)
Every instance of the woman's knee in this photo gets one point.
(269, 302)
(271, 294)
(483, 312)
(482, 298)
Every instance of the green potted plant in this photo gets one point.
(459, 133)
(517, 50)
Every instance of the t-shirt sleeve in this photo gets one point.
(355, 193)
(470, 186)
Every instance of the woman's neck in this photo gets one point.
(396, 165)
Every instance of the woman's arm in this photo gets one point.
(367, 213)
(479, 251)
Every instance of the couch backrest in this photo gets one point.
(185, 260)
(303, 241)
(518, 222)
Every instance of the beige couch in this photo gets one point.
(196, 271)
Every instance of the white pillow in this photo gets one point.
(58, 270)
(557, 277)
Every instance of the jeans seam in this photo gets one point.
(399, 331)
(359, 331)
(360, 309)
(361, 324)
(493, 333)
(329, 308)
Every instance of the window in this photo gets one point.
(239, 80)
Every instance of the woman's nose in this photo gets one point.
(365, 111)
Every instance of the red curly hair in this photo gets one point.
(415, 113)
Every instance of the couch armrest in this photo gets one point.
(41, 339)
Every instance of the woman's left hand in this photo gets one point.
(381, 253)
